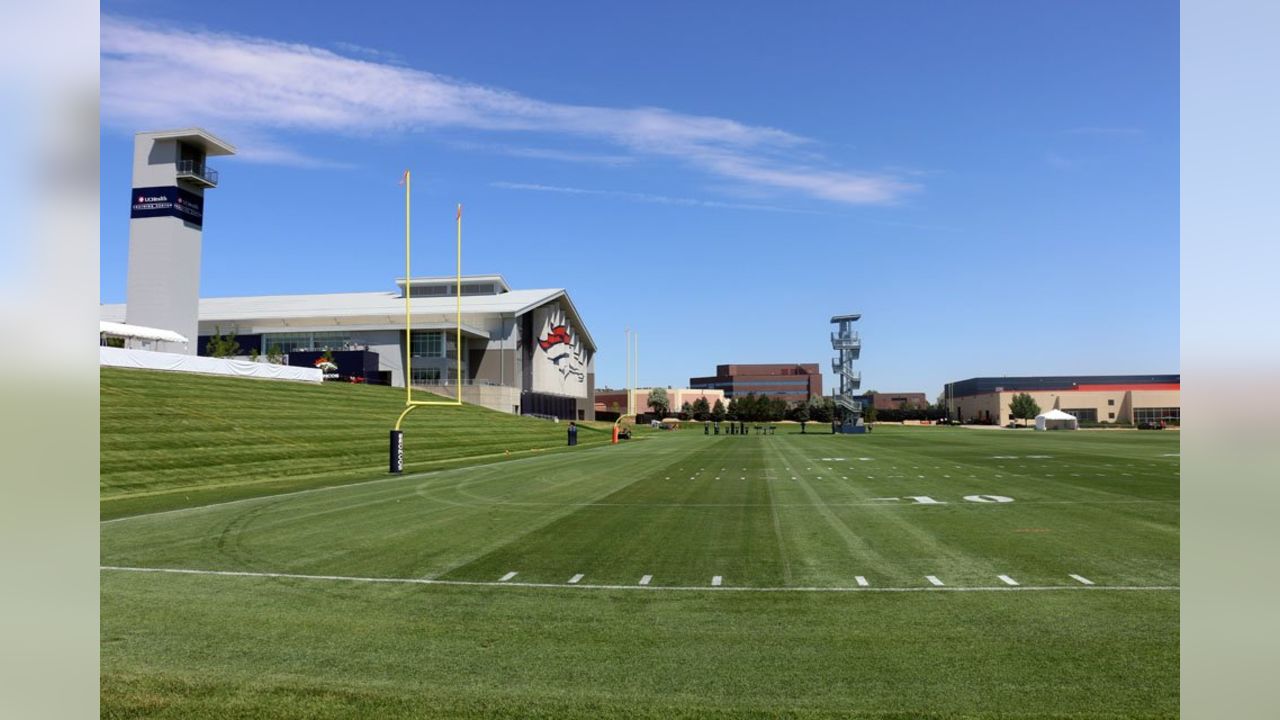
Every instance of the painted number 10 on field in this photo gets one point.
(926, 500)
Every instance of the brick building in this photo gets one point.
(790, 382)
(894, 401)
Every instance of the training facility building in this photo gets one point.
(522, 351)
(894, 400)
(1090, 398)
(789, 382)
(615, 401)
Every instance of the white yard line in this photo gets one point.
(476, 583)
(1082, 580)
(1007, 580)
(645, 580)
(933, 580)
(508, 576)
(575, 579)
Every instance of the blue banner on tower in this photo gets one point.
(168, 202)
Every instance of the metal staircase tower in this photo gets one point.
(848, 346)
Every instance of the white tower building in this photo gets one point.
(165, 229)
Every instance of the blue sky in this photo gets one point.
(994, 185)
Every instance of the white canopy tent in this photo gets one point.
(1056, 420)
(138, 332)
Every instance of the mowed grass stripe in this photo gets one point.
(690, 529)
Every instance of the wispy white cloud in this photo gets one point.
(381, 55)
(648, 197)
(160, 76)
(541, 153)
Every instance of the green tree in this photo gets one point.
(253, 354)
(731, 413)
(686, 411)
(800, 413)
(777, 409)
(222, 346)
(659, 402)
(701, 409)
(821, 409)
(869, 413)
(717, 411)
(274, 356)
(1024, 407)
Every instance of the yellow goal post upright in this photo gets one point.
(633, 360)
(396, 460)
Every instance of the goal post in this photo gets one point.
(396, 455)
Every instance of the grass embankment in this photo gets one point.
(172, 440)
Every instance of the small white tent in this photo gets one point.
(120, 330)
(1056, 420)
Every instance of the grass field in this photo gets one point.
(682, 576)
(171, 440)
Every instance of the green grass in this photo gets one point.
(789, 634)
(172, 440)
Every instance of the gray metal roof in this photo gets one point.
(212, 144)
(372, 307)
(436, 280)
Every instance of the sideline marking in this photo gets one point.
(575, 579)
(934, 580)
(715, 581)
(1007, 580)
(645, 580)
(862, 582)
(1083, 580)
(507, 577)
(731, 588)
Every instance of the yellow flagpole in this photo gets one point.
(458, 289)
(408, 339)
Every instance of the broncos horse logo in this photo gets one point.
(557, 342)
(558, 334)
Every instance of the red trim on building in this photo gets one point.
(1122, 388)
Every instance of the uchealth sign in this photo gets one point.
(169, 201)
